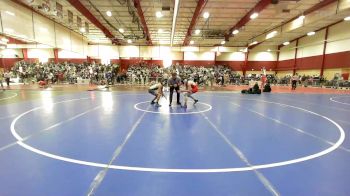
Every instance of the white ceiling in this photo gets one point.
(224, 14)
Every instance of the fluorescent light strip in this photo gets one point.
(176, 10)
(254, 15)
(271, 34)
(253, 43)
(10, 13)
(235, 32)
(159, 14)
(311, 33)
(206, 15)
(302, 17)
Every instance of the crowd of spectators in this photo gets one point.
(64, 72)
(144, 74)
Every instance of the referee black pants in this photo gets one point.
(294, 84)
(171, 94)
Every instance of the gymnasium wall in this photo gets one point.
(310, 52)
(8, 57)
(23, 23)
(20, 22)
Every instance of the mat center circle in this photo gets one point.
(191, 108)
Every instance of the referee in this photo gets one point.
(174, 82)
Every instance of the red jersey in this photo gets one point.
(194, 87)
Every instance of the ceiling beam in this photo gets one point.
(261, 5)
(137, 5)
(200, 6)
(85, 12)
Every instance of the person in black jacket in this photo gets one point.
(267, 87)
(254, 90)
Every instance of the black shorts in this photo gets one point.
(153, 92)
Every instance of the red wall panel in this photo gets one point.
(312, 62)
(234, 65)
(125, 63)
(153, 62)
(180, 62)
(258, 65)
(338, 60)
(285, 65)
(62, 60)
(7, 63)
(115, 61)
(97, 61)
(199, 63)
(31, 60)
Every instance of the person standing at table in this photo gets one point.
(1, 79)
(7, 76)
(295, 79)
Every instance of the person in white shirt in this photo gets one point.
(295, 79)
(7, 76)
(157, 91)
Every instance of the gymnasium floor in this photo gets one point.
(56, 142)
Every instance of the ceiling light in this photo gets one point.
(311, 33)
(173, 25)
(197, 32)
(286, 43)
(43, 29)
(109, 13)
(244, 50)
(223, 42)
(347, 18)
(121, 30)
(4, 39)
(129, 41)
(8, 30)
(82, 29)
(10, 13)
(206, 15)
(191, 42)
(235, 32)
(271, 34)
(160, 30)
(253, 43)
(302, 17)
(159, 14)
(254, 15)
